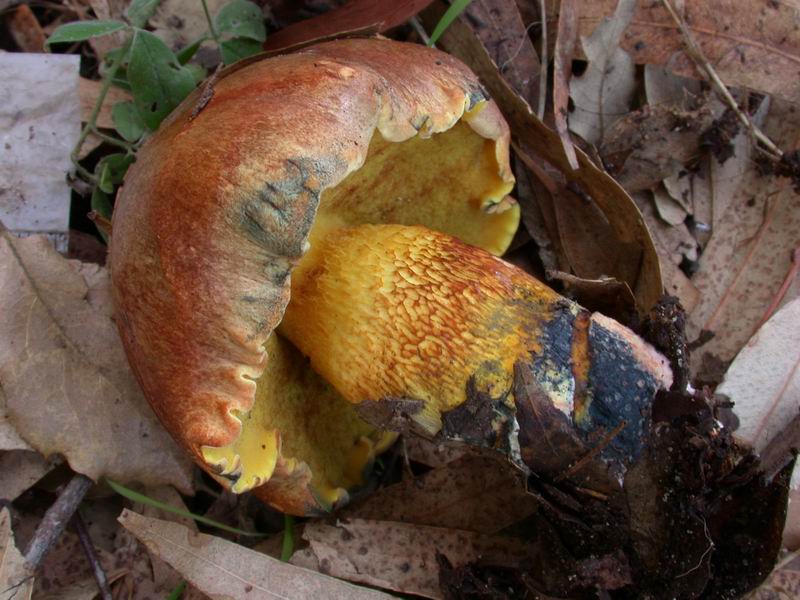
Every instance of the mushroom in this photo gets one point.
(320, 240)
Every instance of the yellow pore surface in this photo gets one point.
(448, 182)
(398, 311)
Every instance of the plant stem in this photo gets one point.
(91, 124)
(210, 22)
(111, 140)
(288, 538)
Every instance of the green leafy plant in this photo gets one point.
(157, 78)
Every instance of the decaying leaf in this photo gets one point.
(19, 470)
(652, 143)
(603, 94)
(473, 493)
(764, 379)
(16, 582)
(67, 384)
(754, 44)
(505, 37)
(222, 569)
(562, 72)
(89, 91)
(377, 553)
(180, 22)
(357, 16)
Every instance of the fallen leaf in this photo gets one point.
(754, 44)
(16, 581)
(654, 142)
(19, 470)
(222, 569)
(473, 493)
(791, 533)
(89, 91)
(663, 87)
(432, 454)
(668, 208)
(605, 295)
(380, 554)
(764, 380)
(533, 138)
(354, 16)
(106, 10)
(603, 93)
(68, 386)
(504, 35)
(562, 73)
(9, 437)
(744, 264)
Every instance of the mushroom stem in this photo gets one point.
(389, 311)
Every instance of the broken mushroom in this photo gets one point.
(310, 257)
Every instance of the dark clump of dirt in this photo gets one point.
(718, 137)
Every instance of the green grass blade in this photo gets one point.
(288, 538)
(137, 497)
(456, 8)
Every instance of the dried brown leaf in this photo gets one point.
(401, 556)
(654, 142)
(16, 581)
(663, 87)
(19, 470)
(504, 35)
(181, 22)
(562, 73)
(67, 383)
(603, 93)
(26, 30)
(222, 569)
(745, 264)
(753, 44)
(433, 454)
(354, 16)
(473, 493)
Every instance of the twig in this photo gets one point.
(56, 519)
(543, 62)
(207, 94)
(609, 437)
(91, 555)
(696, 54)
(101, 222)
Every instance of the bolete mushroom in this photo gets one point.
(345, 203)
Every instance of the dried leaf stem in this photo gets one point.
(543, 72)
(696, 54)
(56, 520)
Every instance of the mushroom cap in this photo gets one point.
(217, 210)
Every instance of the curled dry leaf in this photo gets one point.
(754, 44)
(602, 95)
(222, 569)
(377, 553)
(535, 139)
(473, 493)
(67, 384)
